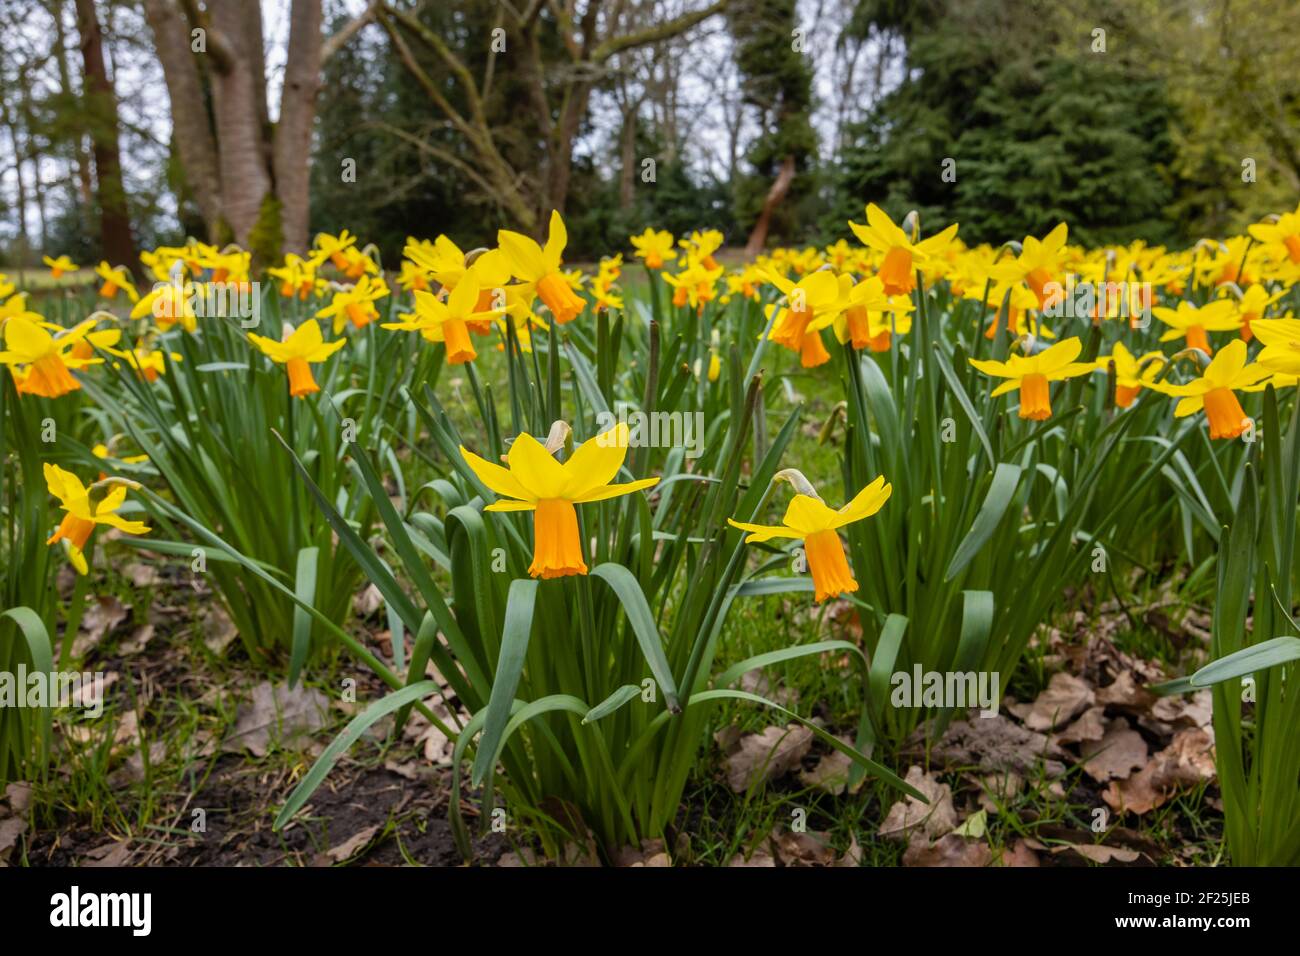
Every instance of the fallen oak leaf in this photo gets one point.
(1065, 697)
(767, 755)
(1120, 752)
(935, 819)
(948, 850)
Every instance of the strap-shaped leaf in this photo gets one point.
(305, 588)
(638, 614)
(515, 633)
(350, 735)
(613, 702)
(1248, 660)
(1001, 490)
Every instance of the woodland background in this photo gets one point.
(129, 123)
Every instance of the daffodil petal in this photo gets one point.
(496, 477)
(595, 462)
(535, 468)
(613, 491)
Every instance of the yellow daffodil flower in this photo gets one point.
(169, 304)
(304, 345)
(900, 252)
(1281, 338)
(1213, 391)
(1038, 264)
(812, 304)
(60, 266)
(531, 263)
(332, 248)
(535, 481)
(412, 277)
(1032, 375)
(1190, 323)
(148, 363)
(40, 361)
(655, 248)
(355, 304)
(447, 322)
(809, 518)
(85, 509)
(1131, 374)
(855, 323)
(116, 279)
(1252, 306)
(297, 276)
(1286, 232)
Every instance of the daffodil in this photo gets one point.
(1252, 305)
(701, 245)
(116, 279)
(85, 508)
(355, 304)
(1038, 265)
(536, 481)
(900, 252)
(694, 285)
(101, 450)
(40, 361)
(60, 266)
(1131, 373)
(1190, 323)
(1013, 311)
(412, 277)
(297, 276)
(89, 338)
(1032, 375)
(1285, 231)
(170, 304)
(811, 304)
(15, 305)
(1213, 391)
(333, 248)
(357, 264)
(654, 247)
(854, 324)
(447, 322)
(809, 518)
(532, 263)
(605, 297)
(301, 347)
(1281, 338)
(148, 363)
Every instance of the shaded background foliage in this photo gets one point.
(862, 100)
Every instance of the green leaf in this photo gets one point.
(629, 592)
(1001, 490)
(350, 735)
(305, 588)
(613, 702)
(964, 401)
(1248, 660)
(736, 671)
(515, 634)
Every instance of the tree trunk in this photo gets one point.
(780, 186)
(292, 157)
(101, 107)
(627, 174)
(79, 191)
(561, 153)
(245, 175)
(191, 131)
